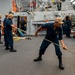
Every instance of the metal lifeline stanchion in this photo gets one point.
(59, 46)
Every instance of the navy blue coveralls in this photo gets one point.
(9, 36)
(68, 30)
(23, 27)
(52, 35)
(64, 26)
(0, 31)
(5, 30)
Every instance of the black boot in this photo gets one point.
(13, 50)
(7, 48)
(60, 63)
(5, 44)
(1, 42)
(38, 58)
(61, 66)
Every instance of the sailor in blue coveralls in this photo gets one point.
(6, 17)
(0, 29)
(54, 34)
(23, 24)
(9, 36)
(68, 24)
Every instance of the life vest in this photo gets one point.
(14, 6)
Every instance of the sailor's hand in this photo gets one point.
(1, 25)
(15, 27)
(64, 47)
(36, 34)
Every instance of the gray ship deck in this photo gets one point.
(21, 62)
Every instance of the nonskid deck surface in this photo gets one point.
(21, 62)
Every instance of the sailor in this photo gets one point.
(53, 34)
(9, 36)
(0, 29)
(6, 17)
(69, 24)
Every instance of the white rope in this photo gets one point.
(59, 46)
